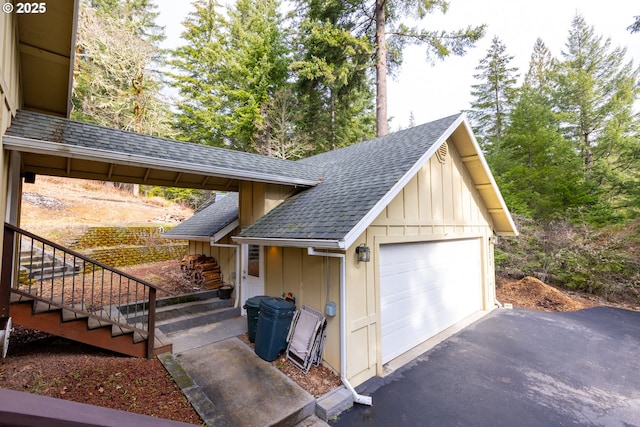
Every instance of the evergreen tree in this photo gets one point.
(198, 63)
(232, 64)
(536, 168)
(332, 79)
(494, 95)
(381, 23)
(596, 91)
(635, 27)
(116, 80)
(388, 16)
(256, 67)
(542, 68)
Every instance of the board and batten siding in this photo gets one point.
(439, 203)
(311, 279)
(9, 94)
(258, 198)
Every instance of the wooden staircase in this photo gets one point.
(79, 303)
(95, 329)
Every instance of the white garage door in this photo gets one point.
(426, 287)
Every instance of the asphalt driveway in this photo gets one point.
(517, 368)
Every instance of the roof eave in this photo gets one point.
(223, 232)
(36, 146)
(295, 243)
(185, 237)
(502, 210)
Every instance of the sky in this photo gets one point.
(433, 90)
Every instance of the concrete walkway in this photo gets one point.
(229, 385)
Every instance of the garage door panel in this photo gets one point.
(426, 287)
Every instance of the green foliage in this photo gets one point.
(115, 82)
(603, 261)
(565, 144)
(332, 79)
(232, 63)
(493, 96)
(186, 196)
(596, 91)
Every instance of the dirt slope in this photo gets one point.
(59, 208)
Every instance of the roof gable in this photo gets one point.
(359, 181)
(205, 224)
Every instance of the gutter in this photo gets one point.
(292, 242)
(358, 398)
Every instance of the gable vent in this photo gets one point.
(442, 152)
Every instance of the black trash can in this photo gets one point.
(274, 321)
(252, 305)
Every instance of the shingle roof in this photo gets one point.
(356, 178)
(149, 150)
(209, 220)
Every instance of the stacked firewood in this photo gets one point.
(202, 271)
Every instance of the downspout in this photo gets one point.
(358, 398)
(238, 282)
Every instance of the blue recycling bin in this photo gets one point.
(274, 322)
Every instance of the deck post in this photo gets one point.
(6, 275)
(151, 323)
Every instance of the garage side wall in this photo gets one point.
(311, 279)
(439, 203)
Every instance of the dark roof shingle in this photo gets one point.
(209, 220)
(356, 178)
(41, 127)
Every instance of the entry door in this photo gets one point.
(252, 272)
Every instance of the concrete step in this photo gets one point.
(193, 320)
(195, 307)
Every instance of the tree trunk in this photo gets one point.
(381, 70)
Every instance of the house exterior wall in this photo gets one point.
(439, 203)
(311, 279)
(9, 94)
(257, 198)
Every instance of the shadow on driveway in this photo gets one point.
(517, 368)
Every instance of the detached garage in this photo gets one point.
(425, 288)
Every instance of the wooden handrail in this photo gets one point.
(88, 296)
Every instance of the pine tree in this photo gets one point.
(494, 95)
(198, 64)
(331, 78)
(596, 91)
(116, 79)
(233, 63)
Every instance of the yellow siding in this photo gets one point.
(257, 198)
(292, 270)
(9, 93)
(440, 202)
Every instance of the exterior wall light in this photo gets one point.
(364, 253)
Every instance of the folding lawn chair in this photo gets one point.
(306, 338)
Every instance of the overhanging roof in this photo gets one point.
(362, 179)
(61, 147)
(46, 44)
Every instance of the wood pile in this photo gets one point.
(202, 271)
